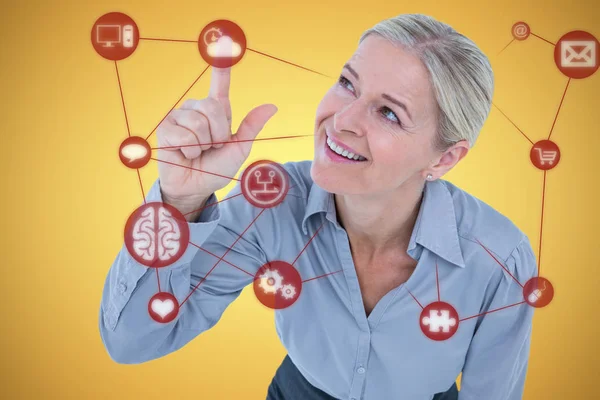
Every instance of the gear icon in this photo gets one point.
(288, 291)
(270, 281)
(214, 37)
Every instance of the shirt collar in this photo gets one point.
(435, 227)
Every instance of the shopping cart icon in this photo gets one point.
(546, 156)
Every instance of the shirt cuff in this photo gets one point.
(200, 230)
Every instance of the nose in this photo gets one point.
(349, 118)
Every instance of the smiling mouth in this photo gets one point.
(343, 152)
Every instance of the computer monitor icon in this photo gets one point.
(106, 35)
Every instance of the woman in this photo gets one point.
(369, 216)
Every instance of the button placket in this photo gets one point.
(343, 250)
(364, 342)
(359, 378)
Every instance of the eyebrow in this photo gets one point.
(384, 95)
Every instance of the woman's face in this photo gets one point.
(384, 109)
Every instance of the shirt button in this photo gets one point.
(360, 370)
(122, 287)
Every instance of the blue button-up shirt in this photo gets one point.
(482, 260)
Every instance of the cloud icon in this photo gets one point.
(134, 152)
(224, 47)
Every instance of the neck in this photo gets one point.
(381, 222)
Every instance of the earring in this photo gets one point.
(429, 177)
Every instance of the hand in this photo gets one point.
(206, 122)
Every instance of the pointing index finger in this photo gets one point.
(219, 89)
(219, 83)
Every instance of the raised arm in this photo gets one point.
(198, 156)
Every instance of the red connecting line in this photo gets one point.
(177, 102)
(223, 256)
(122, 99)
(532, 34)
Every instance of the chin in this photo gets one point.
(332, 180)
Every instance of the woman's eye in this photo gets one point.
(343, 81)
(386, 110)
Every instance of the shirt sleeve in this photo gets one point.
(497, 359)
(129, 333)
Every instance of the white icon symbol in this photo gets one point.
(162, 308)
(584, 57)
(128, 36)
(273, 191)
(520, 31)
(288, 291)
(546, 156)
(536, 294)
(270, 281)
(134, 151)
(146, 244)
(108, 34)
(439, 319)
(221, 46)
(265, 190)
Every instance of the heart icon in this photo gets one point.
(163, 308)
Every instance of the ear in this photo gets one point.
(450, 158)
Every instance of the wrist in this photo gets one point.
(190, 206)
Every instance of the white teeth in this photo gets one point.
(344, 152)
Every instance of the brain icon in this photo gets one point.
(168, 235)
(144, 235)
(156, 236)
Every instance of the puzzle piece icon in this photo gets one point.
(439, 319)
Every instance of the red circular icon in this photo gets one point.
(520, 30)
(545, 154)
(156, 234)
(577, 54)
(163, 307)
(222, 43)
(115, 36)
(135, 152)
(265, 184)
(277, 284)
(538, 292)
(439, 321)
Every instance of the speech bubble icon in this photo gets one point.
(134, 151)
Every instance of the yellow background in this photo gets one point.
(66, 197)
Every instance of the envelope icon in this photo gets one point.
(578, 53)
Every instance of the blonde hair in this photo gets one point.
(461, 75)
